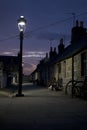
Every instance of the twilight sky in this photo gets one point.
(47, 22)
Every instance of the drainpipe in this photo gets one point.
(72, 75)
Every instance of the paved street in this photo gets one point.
(42, 109)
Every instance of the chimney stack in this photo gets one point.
(78, 32)
(61, 46)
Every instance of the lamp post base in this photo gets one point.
(19, 95)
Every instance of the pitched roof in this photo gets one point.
(70, 51)
(73, 49)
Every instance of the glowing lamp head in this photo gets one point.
(21, 24)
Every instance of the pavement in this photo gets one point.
(42, 109)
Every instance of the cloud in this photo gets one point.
(26, 54)
(34, 54)
(7, 53)
(15, 50)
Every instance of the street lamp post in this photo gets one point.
(21, 26)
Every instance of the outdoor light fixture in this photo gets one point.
(22, 24)
(22, 27)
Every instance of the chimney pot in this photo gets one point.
(51, 49)
(77, 23)
(54, 49)
(61, 41)
(81, 24)
(46, 55)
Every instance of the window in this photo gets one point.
(83, 64)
